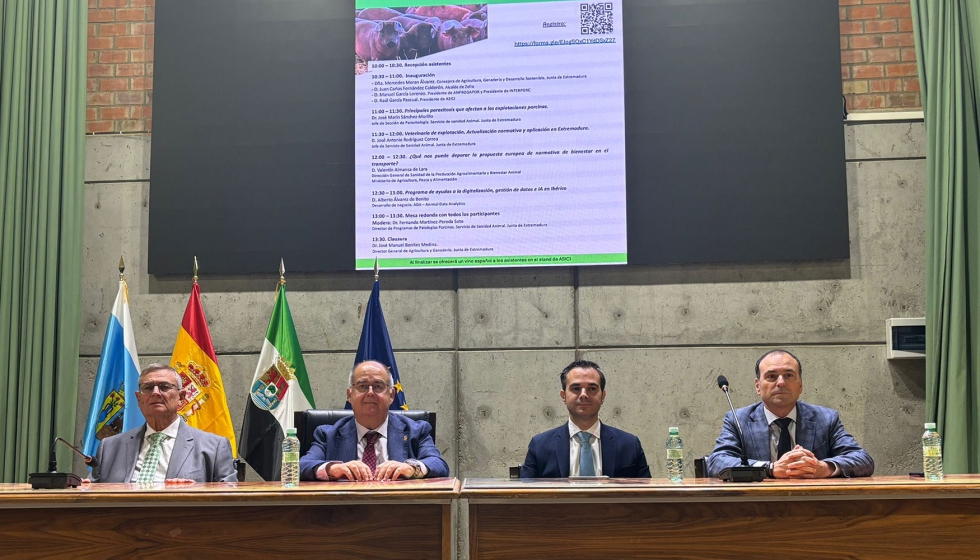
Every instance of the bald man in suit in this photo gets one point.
(373, 444)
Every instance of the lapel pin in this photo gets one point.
(405, 438)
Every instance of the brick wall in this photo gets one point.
(877, 61)
(120, 66)
(878, 55)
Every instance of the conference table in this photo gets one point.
(403, 519)
(880, 517)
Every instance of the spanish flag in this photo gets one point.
(204, 406)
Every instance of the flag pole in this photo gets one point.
(376, 269)
(205, 403)
(279, 387)
(122, 267)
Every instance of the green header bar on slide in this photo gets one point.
(361, 4)
(491, 261)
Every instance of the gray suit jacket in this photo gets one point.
(198, 455)
(818, 429)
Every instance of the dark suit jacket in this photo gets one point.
(548, 454)
(818, 429)
(407, 439)
(197, 455)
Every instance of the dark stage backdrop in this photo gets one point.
(734, 138)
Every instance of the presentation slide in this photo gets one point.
(489, 134)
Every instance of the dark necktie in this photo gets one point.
(785, 442)
(370, 457)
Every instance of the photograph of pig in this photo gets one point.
(414, 32)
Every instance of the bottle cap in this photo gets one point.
(930, 425)
(673, 430)
(290, 432)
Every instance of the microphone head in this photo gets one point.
(91, 461)
(722, 382)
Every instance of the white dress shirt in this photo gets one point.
(166, 451)
(575, 448)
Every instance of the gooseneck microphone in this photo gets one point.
(723, 385)
(59, 480)
(89, 460)
(744, 473)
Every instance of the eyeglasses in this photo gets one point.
(147, 388)
(376, 388)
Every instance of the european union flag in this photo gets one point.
(375, 345)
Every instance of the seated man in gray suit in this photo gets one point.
(165, 449)
(791, 438)
(372, 444)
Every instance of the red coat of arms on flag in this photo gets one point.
(194, 379)
(271, 387)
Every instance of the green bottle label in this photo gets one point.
(290, 456)
(675, 453)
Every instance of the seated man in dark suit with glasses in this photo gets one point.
(372, 444)
(165, 449)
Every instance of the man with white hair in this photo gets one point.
(165, 449)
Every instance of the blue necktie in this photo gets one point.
(586, 460)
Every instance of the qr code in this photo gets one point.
(597, 19)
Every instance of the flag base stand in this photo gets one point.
(53, 480)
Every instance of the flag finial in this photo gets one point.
(282, 271)
(376, 269)
(122, 267)
(195, 269)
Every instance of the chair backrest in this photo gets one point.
(307, 421)
(701, 467)
(240, 469)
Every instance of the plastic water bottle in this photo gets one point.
(932, 453)
(675, 456)
(290, 459)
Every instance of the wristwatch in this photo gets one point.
(417, 465)
(769, 472)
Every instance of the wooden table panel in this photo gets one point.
(858, 518)
(864, 529)
(352, 531)
(391, 520)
